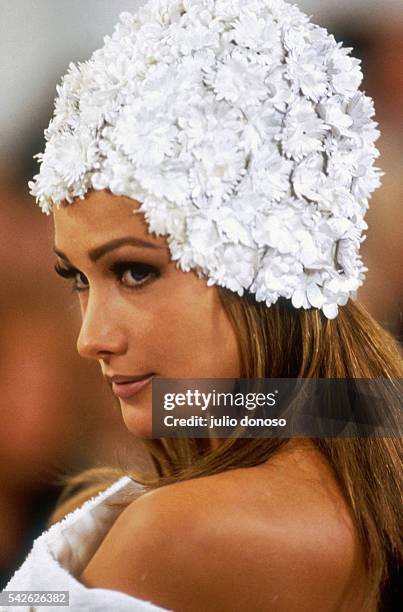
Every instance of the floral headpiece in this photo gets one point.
(239, 127)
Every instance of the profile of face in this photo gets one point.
(140, 313)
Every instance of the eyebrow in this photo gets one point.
(100, 251)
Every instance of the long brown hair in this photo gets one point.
(284, 342)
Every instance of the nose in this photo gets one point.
(101, 334)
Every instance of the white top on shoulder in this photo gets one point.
(61, 553)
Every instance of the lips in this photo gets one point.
(117, 378)
(125, 386)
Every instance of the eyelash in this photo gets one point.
(117, 268)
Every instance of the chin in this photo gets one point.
(138, 419)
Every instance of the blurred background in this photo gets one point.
(57, 415)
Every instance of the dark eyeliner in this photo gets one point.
(65, 272)
(118, 268)
(68, 272)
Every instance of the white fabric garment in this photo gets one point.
(59, 555)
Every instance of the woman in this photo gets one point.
(237, 136)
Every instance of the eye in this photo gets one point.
(132, 275)
(69, 272)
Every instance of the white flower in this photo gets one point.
(333, 113)
(238, 81)
(231, 225)
(361, 109)
(337, 200)
(347, 251)
(199, 37)
(146, 140)
(257, 33)
(217, 167)
(339, 228)
(354, 169)
(276, 230)
(341, 165)
(278, 275)
(271, 173)
(67, 101)
(163, 217)
(168, 181)
(370, 179)
(239, 128)
(297, 38)
(72, 156)
(237, 267)
(160, 84)
(303, 131)
(306, 72)
(202, 234)
(310, 295)
(344, 71)
(280, 94)
(308, 251)
(263, 124)
(308, 177)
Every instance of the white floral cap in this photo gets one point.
(239, 126)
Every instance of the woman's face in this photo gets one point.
(140, 313)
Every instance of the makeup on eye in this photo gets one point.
(147, 272)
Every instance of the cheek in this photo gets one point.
(195, 339)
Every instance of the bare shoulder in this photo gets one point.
(239, 541)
